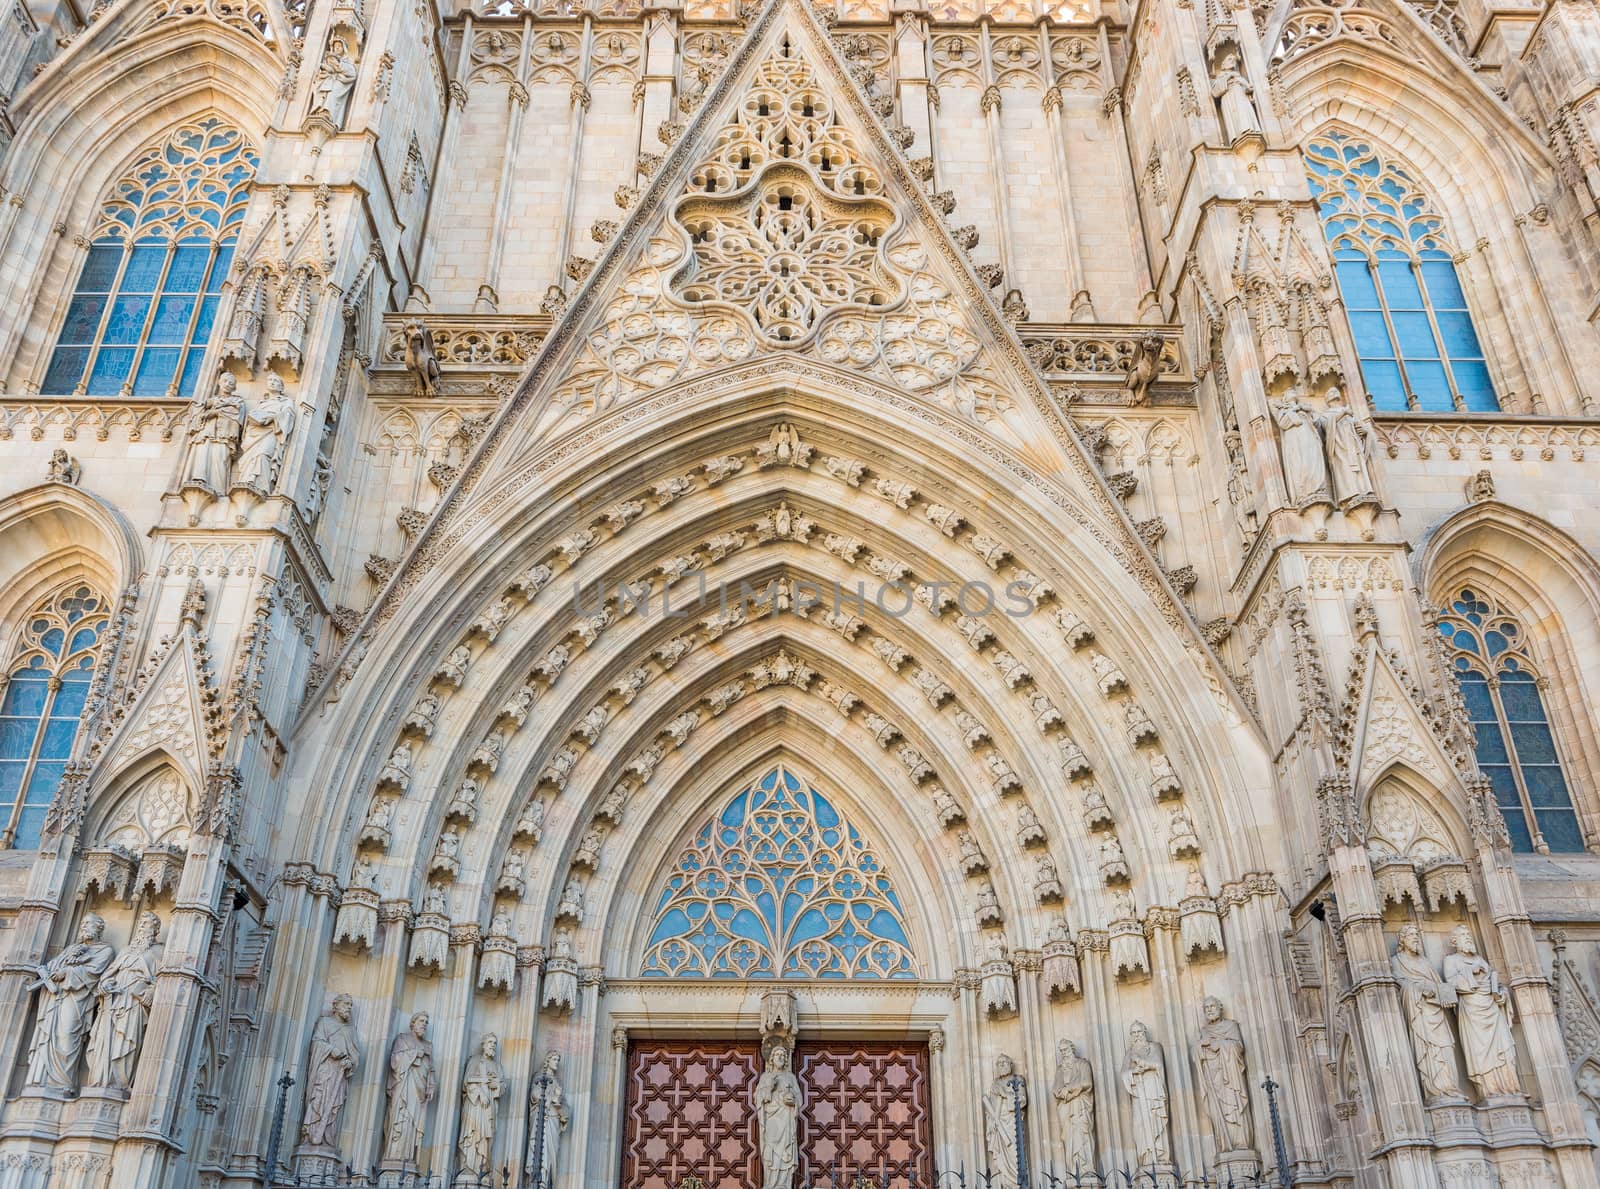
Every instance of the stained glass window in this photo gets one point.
(147, 297)
(779, 885)
(1516, 749)
(46, 685)
(1408, 314)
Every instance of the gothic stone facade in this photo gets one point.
(1123, 476)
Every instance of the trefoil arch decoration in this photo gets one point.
(1515, 748)
(46, 685)
(778, 884)
(146, 299)
(1408, 313)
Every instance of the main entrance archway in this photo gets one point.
(866, 1113)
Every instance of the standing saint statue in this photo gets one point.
(1304, 471)
(334, 1057)
(411, 1086)
(777, 1103)
(336, 78)
(1346, 440)
(1144, 1078)
(1219, 1060)
(66, 998)
(1483, 1017)
(481, 1087)
(268, 424)
(1074, 1093)
(215, 424)
(1002, 1108)
(547, 1121)
(125, 993)
(1230, 88)
(1425, 997)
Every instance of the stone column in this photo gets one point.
(454, 1039)
(990, 103)
(488, 301)
(520, 1056)
(1082, 306)
(449, 138)
(576, 1151)
(1037, 1061)
(160, 1094)
(1397, 1096)
(577, 110)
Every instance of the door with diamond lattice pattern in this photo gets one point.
(866, 1112)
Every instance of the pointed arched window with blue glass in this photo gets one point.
(147, 297)
(46, 684)
(1505, 701)
(779, 884)
(1408, 313)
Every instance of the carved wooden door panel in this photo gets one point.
(867, 1113)
(689, 1116)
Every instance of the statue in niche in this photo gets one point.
(1003, 1105)
(1144, 1079)
(336, 78)
(481, 1087)
(126, 991)
(334, 1057)
(777, 1104)
(1425, 997)
(1304, 471)
(66, 986)
(268, 422)
(1483, 1017)
(999, 985)
(1219, 1060)
(1346, 439)
(216, 423)
(411, 1086)
(1230, 88)
(1074, 1094)
(561, 973)
(547, 1121)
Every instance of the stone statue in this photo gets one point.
(1425, 997)
(268, 422)
(1144, 1079)
(1003, 1107)
(411, 1086)
(333, 1061)
(422, 357)
(336, 78)
(777, 1106)
(126, 990)
(1219, 1061)
(1074, 1094)
(1304, 471)
(1346, 440)
(216, 423)
(547, 1120)
(66, 986)
(999, 985)
(1229, 87)
(481, 1087)
(561, 973)
(1483, 1017)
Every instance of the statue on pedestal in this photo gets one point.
(334, 1057)
(777, 1105)
(66, 986)
(481, 1087)
(411, 1086)
(1074, 1094)
(1003, 1107)
(1424, 997)
(547, 1120)
(126, 991)
(1483, 1017)
(1144, 1078)
(1219, 1061)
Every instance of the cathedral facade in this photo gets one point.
(699, 594)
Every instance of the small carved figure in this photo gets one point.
(422, 357)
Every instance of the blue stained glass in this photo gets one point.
(16, 736)
(144, 268)
(11, 780)
(100, 268)
(1517, 829)
(1375, 216)
(126, 323)
(781, 889)
(1560, 830)
(219, 269)
(111, 367)
(171, 323)
(191, 370)
(26, 694)
(70, 698)
(29, 826)
(188, 269)
(208, 316)
(83, 318)
(66, 369)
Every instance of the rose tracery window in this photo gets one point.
(147, 296)
(1408, 314)
(1515, 747)
(778, 885)
(46, 686)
